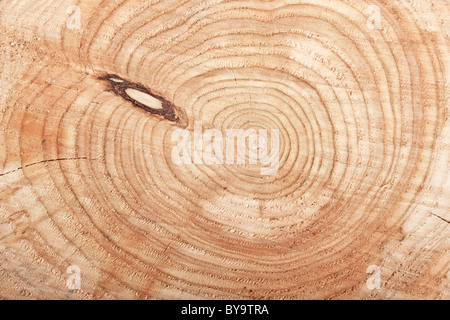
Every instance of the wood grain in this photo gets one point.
(87, 179)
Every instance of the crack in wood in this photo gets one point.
(42, 161)
(445, 220)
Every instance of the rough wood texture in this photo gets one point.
(87, 180)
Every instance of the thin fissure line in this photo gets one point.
(440, 218)
(43, 161)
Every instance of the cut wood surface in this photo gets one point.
(92, 92)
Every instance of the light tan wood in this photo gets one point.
(361, 103)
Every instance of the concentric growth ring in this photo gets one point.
(358, 110)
